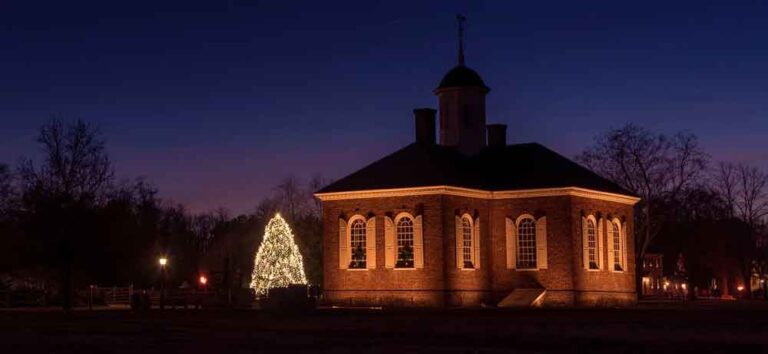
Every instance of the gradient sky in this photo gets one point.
(215, 101)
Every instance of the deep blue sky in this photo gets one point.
(215, 101)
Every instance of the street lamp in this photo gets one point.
(203, 280)
(163, 261)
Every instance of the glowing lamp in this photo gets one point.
(203, 280)
(163, 261)
(684, 286)
(740, 288)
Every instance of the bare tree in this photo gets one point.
(725, 182)
(266, 208)
(7, 192)
(291, 196)
(204, 227)
(75, 164)
(657, 168)
(314, 185)
(75, 174)
(752, 196)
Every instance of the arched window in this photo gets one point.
(357, 244)
(466, 232)
(591, 236)
(526, 244)
(616, 247)
(404, 235)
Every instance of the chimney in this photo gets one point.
(425, 125)
(497, 135)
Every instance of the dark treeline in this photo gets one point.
(66, 223)
(707, 218)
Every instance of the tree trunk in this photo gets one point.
(66, 286)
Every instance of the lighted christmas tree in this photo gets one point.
(278, 262)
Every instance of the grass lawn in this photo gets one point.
(715, 327)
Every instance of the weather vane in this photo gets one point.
(461, 19)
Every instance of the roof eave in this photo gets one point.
(479, 193)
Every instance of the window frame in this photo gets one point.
(518, 234)
(591, 220)
(361, 220)
(617, 253)
(467, 250)
(396, 223)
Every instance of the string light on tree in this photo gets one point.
(278, 262)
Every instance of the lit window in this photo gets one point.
(615, 236)
(592, 245)
(404, 243)
(357, 243)
(466, 231)
(526, 244)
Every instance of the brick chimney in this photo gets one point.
(425, 125)
(497, 135)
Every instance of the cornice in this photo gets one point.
(479, 193)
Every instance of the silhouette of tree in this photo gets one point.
(8, 195)
(61, 193)
(752, 196)
(653, 166)
(75, 166)
(745, 190)
(725, 181)
(291, 197)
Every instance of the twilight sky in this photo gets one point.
(215, 101)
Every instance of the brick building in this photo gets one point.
(653, 274)
(470, 220)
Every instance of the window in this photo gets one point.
(466, 231)
(617, 246)
(357, 243)
(526, 244)
(592, 244)
(404, 243)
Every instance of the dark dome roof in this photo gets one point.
(461, 76)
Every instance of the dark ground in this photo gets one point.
(729, 327)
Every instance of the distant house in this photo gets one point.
(653, 274)
(470, 220)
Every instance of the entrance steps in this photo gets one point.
(523, 297)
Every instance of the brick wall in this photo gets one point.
(467, 287)
(559, 273)
(442, 283)
(603, 286)
(423, 287)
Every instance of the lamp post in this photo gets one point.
(163, 263)
(202, 291)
